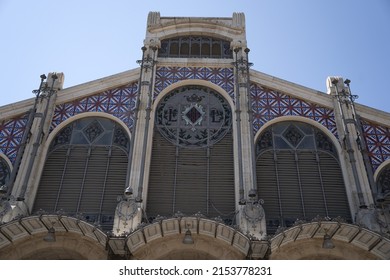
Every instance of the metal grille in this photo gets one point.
(85, 171)
(191, 180)
(298, 176)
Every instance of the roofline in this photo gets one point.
(75, 92)
(315, 96)
(295, 90)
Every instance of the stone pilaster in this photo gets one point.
(26, 181)
(356, 181)
(141, 144)
(251, 218)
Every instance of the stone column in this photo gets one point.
(251, 217)
(136, 190)
(26, 182)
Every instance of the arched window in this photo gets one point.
(192, 166)
(197, 47)
(85, 171)
(383, 182)
(298, 175)
(5, 172)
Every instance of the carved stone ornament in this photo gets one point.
(253, 212)
(126, 209)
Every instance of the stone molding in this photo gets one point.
(343, 233)
(368, 243)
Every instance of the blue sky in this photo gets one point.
(301, 41)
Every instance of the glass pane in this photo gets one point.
(216, 51)
(195, 49)
(174, 49)
(307, 143)
(184, 49)
(205, 49)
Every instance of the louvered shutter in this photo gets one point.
(84, 178)
(191, 182)
(299, 183)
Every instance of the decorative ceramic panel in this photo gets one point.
(119, 102)
(268, 104)
(11, 133)
(378, 142)
(222, 77)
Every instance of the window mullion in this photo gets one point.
(322, 183)
(278, 187)
(62, 178)
(105, 182)
(84, 177)
(299, 182)
(175, 180)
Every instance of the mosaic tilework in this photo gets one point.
(268, 104)
(378, 142)
(119, 102)
(11, 133)
(222, 77)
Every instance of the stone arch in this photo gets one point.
(5, 169)
(382, 166)
(81, 116)
(382, 182)
(304, 120)
(212, 240)
(7, 160)
(75, 239)
(194, 82)
(304, 241)
(184, 27)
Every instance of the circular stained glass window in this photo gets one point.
(193, 117)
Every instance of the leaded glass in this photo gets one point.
(197, 47)
(193, 117)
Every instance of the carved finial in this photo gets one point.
(239, 20)
(153, 18)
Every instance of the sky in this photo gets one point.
(301, 41)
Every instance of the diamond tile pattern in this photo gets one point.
(119, 102)
(377, 139)
(11, 133)
(222, 77)
(268, 104)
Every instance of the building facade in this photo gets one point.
(194, 155)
